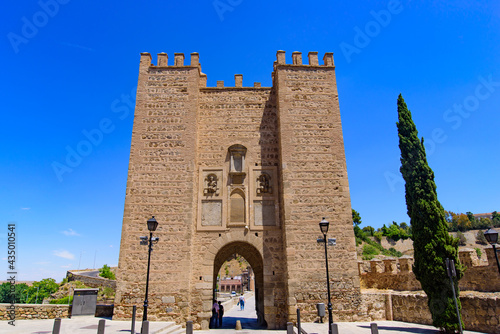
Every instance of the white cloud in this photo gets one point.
(67, 266)
(64, 254)
(70, 233)
(42, 263)
(110, 246)
(25, 208)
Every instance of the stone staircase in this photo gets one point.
(170, 328)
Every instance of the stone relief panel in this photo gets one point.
(211, 185)
(211, 201)
(264, 213)
(211, 213)
(263, 185)
(264, 197)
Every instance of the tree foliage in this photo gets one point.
(464, 222)
(368, 230)
(25, 294)
(362, 237)
(480, 238)
(18, 295)
(356, 218)
(106, 272)
(395, 231)
(495, 219)
(431, 241)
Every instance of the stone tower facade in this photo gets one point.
(247, 170)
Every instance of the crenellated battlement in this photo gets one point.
(397, 274)
(297, 59)
(179, 58)
(179, 61)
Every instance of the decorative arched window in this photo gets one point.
(237, 213)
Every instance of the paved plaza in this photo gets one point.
(247, 317)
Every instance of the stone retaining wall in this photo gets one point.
(36, 311)
(480, 311)
(396, 274)
(47, 311)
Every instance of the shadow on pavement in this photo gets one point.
(403, 330)
(229, 322)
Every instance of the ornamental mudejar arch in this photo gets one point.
(247, 170)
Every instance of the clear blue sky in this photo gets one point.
(72, 68)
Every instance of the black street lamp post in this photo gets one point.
(152, 225)
(492, 237)
(323, 225)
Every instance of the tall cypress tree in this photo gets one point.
(431, 241)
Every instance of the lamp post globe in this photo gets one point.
(152, 224)
(323, 225)
(492, 237)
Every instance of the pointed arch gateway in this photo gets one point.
(255, 259)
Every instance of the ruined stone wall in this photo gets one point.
(314, 185)
(93, 282)
(396, 274)
(161, 183)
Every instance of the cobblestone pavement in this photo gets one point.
(81, 325)
(247, 317)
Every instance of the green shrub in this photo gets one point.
(378, 236)
(358, 241)
(108, 292)
(369, 252)
(393, 252)
(480, 238)
(106, 272)
(461, 239)
(478, 252)
(63, 300)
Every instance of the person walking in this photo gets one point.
(241, 301)
(221, 313)
(215, 315)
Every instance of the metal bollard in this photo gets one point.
(289, 328)
(132, 328)
(299, 329)
(145, 327)
(189, 327)
(101, 326)
(321, 311)
(335, 329)
(57, 326)
(374, 328)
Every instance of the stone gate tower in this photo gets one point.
(247, 170)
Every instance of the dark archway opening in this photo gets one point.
(249, 318)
